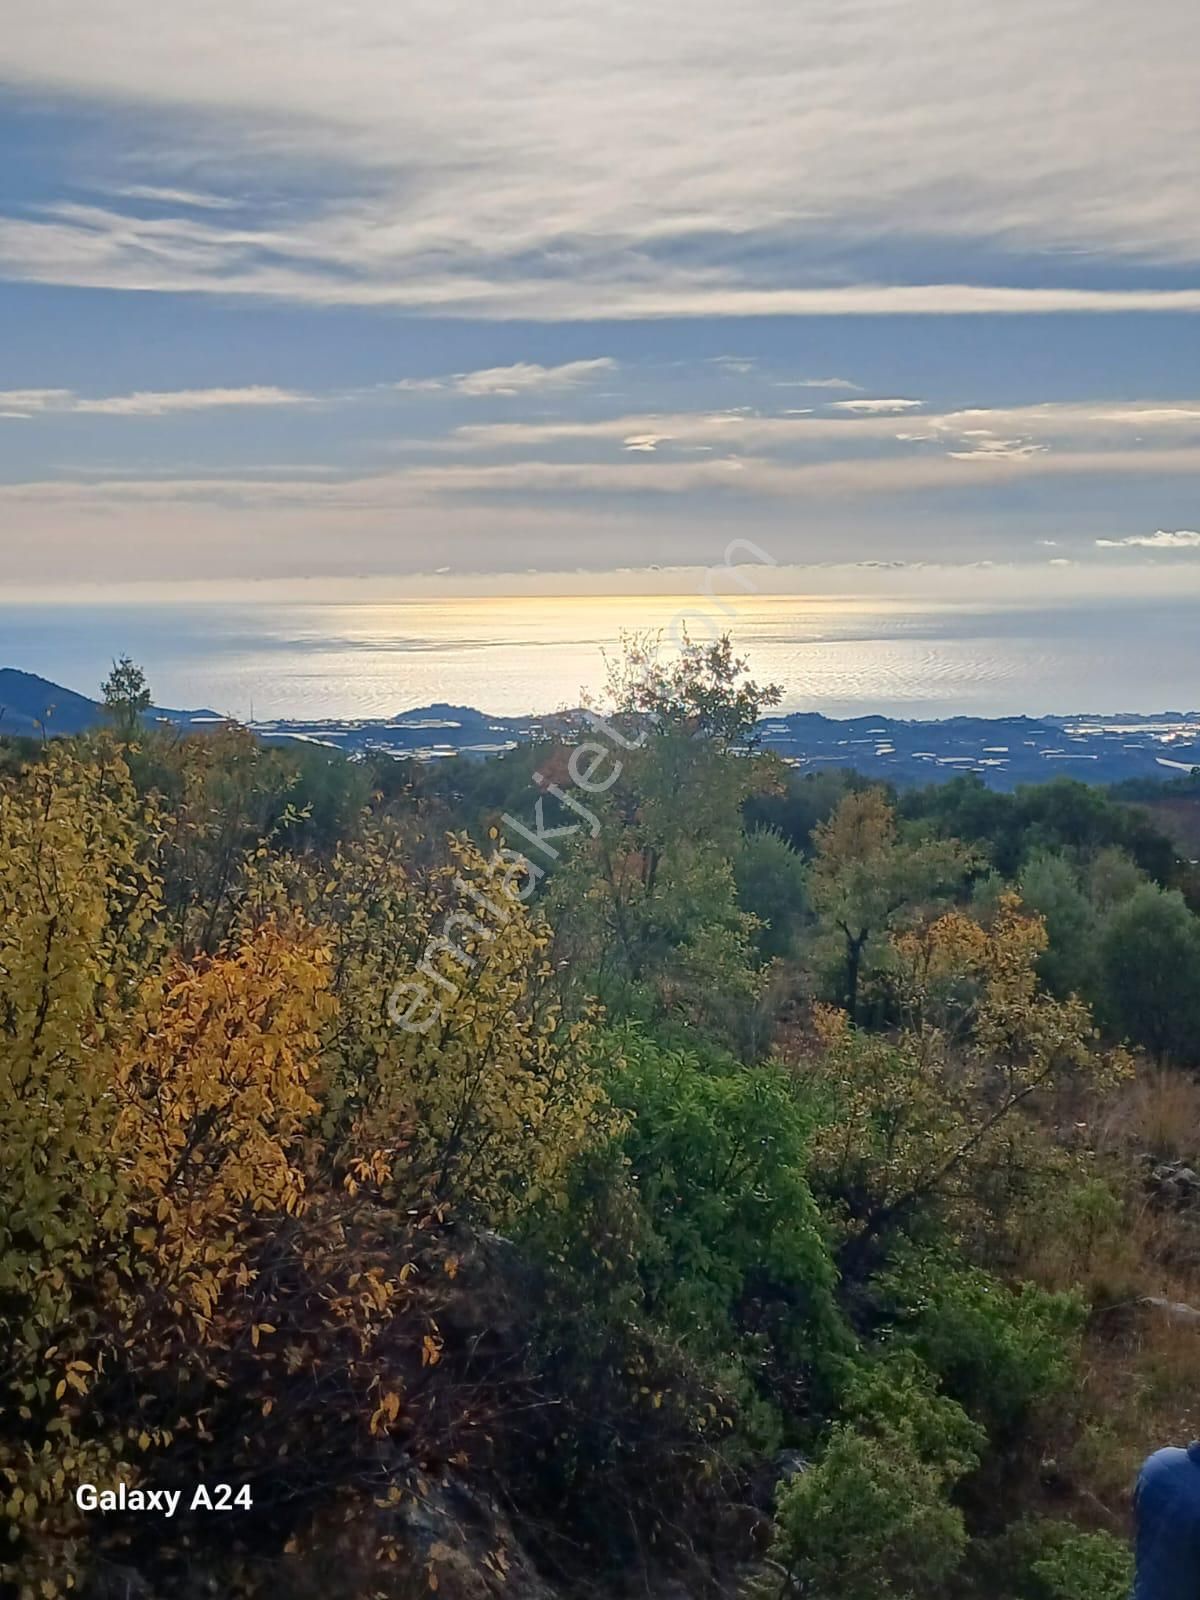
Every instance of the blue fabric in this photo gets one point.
(1167, 1512)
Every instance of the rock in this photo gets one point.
(1175, 1309)
(463, 1537)
(789, 1464)
(1175, 1183)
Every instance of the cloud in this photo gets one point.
(358, 261)
(146, 403)
(876, 408)
(190, 198)
(990, 447)
(817, 383)
(1015, 432)
(522, 377)
(1180, 539)
(632, 175)
(526, 377)
(744, 475)
(160, 404)
(1112, 418)
(29, 402)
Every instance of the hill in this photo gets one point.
(1003, 751)
(34, 706)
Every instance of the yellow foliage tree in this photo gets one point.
(931, 1114)
(864, 876)
(451, 1063)
(227, 1165)
(212, 1090)
(77, 900)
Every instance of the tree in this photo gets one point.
(702, 692)
(928, 1123)
(1050, 886)
(649, 909)
(864, 875)
(772, 886)
(1150, 962)
(126, 697)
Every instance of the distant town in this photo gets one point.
(1003, 751)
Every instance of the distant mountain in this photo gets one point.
(34, 706)
(29, 703)
(1002, 751)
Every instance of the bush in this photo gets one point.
(719, 1154)
(1085, 1566)
(1002, 1353)
(1044, 1559)
(897, 1397)
(869, 1522)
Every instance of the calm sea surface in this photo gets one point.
(510, 656)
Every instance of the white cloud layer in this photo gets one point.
(144, 403)
(1164, 539)
(1011, 430)
(571, 161)
(876, 408)
(527, 377)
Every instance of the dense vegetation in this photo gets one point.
(621, 1163)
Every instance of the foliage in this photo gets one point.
(864, 876)
(1042, 1559)
(1062, 815)
(127, 697)
(218, 1163)
(870, 1521)
(733, 1254)
(1005, 1354)
(354, 1154)
(646, 902)
(935, 1120)
(1150, 961)
(1085, 1566)
(225, 797)
(701, 691)
(875, 1515)
(78, 898)
(1050, 886)
(450, 1048)
(772, 886)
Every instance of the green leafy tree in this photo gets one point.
(646, 900)
(772, 886)
(127, 697)
(1050, 886)
(702, 690)
(1008, 1356)
(1150, 965)
(720, 1156)
(1086, 1566)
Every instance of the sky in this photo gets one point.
(569, 297)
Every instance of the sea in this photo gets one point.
(512, 655)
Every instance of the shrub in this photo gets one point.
(870, 1521)
(1045, 1559)
(1002, 1353)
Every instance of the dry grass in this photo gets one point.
(1157, 1112)
(1141, 1381)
